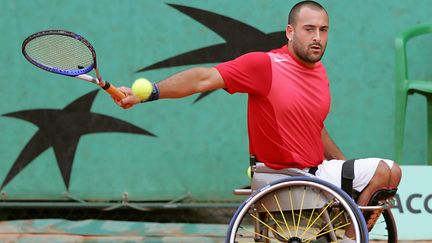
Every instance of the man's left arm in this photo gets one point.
(331, 149)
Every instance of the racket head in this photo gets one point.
(60, 51)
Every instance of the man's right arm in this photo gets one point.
(332, 151)
(192, 81)
(182, 84)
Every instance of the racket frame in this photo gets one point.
(80, 73)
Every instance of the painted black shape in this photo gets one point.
(240, 39)
(62, 130)
(203, 95)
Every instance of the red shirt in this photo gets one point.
(287, 105)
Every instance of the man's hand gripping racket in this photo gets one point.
(66, 53)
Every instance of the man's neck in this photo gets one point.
(300, 61)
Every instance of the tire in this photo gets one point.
(390, 232)
(320, 213)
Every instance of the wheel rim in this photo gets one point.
(265, 217)
(385, 228)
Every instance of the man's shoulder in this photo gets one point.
(253, 59)
(264, 54)
(253, 55)
(281, 50)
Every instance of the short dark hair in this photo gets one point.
(296, 9)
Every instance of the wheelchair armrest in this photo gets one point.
(242, 192)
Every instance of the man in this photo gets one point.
(288, 101)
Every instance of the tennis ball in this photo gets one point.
(142, 88)
(249, 172)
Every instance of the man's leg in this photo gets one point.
(383, 177)
(380, 179)
(396, 175)
(371, 175)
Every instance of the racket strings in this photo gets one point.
(60, 52)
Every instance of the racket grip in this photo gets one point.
(113, 91)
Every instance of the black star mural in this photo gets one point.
(62, 130)
(239, 37)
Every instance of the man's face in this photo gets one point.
(308, 35)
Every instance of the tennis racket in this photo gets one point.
(66, 53)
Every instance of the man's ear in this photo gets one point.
(289, 32)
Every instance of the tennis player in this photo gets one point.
(288, 101)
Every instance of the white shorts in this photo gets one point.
(364, 169)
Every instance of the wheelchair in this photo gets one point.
(292, 205)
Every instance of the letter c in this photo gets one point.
(409, 207)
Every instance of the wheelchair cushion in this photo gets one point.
(382, 195)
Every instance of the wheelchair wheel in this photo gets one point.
(385, 228)
(297, 209)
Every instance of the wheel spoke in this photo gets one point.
(271, 215)
(328, 224)
(292, 210)
(319, 215)
(283, 215)
(310, 217)
(256, 233)
(319, 211)
(268, 226)
(328, 231)
(301, 208)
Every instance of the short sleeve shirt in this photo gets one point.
(287, 105)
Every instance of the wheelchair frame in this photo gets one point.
(276, 195)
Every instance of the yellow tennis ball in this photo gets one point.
(249, 172)
(142, 88)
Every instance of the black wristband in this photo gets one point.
(154, 94)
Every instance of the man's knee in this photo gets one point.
(382, 174)
(379, 180)
(396, 175)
